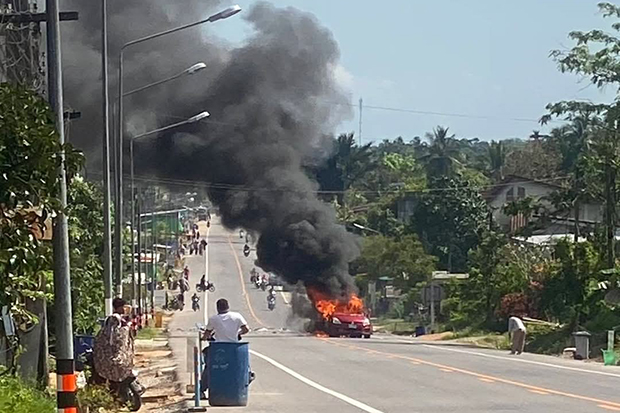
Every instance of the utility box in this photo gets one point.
(582, 345)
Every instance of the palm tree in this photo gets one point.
(497, 160)
(442, 153)
(347, 164)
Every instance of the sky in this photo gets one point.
(484, 63)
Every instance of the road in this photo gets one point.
(301, 373)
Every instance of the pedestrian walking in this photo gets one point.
(517, 330)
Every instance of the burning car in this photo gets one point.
(351, 325)
(341, 318)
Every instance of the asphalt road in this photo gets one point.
(301, 373)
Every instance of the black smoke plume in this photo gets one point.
(273, 102)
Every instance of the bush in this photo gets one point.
(17, 396)
(547, 340)
(95, 397)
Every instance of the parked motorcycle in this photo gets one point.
(177, 303)
(129, 391)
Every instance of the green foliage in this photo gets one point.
(450, 219)
(402, 259)
(86, 243)
(29, 158)
(96, 398)
(441, 156)
(19, 397)
(571, 282)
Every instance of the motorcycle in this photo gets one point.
(263, 285)
(195, 306)
(271, 304)
(129, 391)
(208, 287)
(177, 304)
(257, 282)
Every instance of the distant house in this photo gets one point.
(514, 188)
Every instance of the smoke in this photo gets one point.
(273, 103)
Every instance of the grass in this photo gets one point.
(395, 326)
(149, 333)
(16, 396)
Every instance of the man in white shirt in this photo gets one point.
(227, 326)
(516, 328)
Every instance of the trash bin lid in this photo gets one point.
(582, 334)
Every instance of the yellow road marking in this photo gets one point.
(538, 392)
(530, 387)
(486, 380)
(604, 406)
(245, 292)
(447, 370)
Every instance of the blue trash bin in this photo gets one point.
(81, 343)
(229, 374)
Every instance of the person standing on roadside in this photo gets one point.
(517, 330)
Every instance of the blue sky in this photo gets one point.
(481, 58)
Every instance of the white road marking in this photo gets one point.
(284, 298)
(346, 399)
(521, 360)
(205, 300)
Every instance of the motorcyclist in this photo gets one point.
(195, 302)
(203, 282)
(271, 298)
(186, 272)
(253, 275)
(246, 250)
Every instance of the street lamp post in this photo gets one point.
(193, 119)
(189, 71)
(118, 262)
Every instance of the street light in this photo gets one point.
(193, 119)
(189, 71)
(118, 262)
(224, 14)
(363, 228)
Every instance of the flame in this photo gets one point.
(327, 306)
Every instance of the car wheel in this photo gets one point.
(366, 335)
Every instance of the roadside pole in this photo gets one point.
(66, 400)
(139, 211)
(205, 301)
(107, 218)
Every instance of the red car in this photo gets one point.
(350, 325)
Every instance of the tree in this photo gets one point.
(86, 242)
(596, 56)
(347, 164)
(402, 259)
(497, 160)
(449, 219)
(29, 158)
(442, 154)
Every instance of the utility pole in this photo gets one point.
(118, 215)
(131, 225)
(139, 211)
(360, 130)
(62, 281)
(153, 254)
(107, 218)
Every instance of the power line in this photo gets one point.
(244, 188)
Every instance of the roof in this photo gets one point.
(494, 190)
